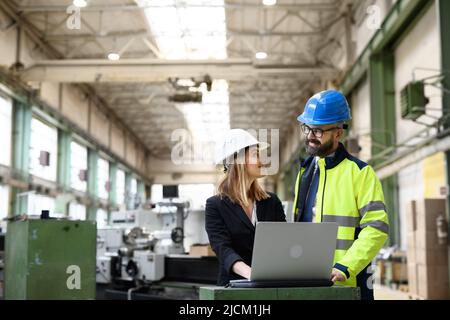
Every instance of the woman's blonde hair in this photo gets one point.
(233, 185)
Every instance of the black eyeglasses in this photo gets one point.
(318, 133)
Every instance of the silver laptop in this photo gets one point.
(293, 251)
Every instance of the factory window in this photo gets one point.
(133, 186)
(102, 218)
(77, 211)
(43, 150)
(4, 204)
(37, 203)
(5, 130)
(78, 166)
(120, 187)
(132, 199)
(103, 178)
(133, 189)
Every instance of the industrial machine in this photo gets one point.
(135, 246)
(50, 259)
(144, 248)
(127, 256)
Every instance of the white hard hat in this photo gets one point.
(234, 141)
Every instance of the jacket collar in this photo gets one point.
(239, 211)
(330, 162)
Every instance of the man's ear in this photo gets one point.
(340, 133)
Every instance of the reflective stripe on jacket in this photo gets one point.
(349, 194)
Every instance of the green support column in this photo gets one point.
(383, 128)
(128, 177)
(444, 20)
(141, 190)
(21, 153)
(113, 183)
(148, 191)
(92, 186)
(64, 140)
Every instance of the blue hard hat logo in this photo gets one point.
(326, 107)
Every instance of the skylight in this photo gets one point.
(187, 29)
(207, 121)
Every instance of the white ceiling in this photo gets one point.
(295, 34)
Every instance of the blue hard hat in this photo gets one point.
(326, 107)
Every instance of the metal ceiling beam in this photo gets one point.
(94, 35)
(151, 70)
(36, 36)
(268, 33)
(325, 6)
(143, 33)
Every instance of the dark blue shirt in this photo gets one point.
(311, 198)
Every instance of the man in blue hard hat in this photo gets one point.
(333, 186)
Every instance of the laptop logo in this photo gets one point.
(296, 251)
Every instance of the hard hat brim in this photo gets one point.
(318, 123)
(261, 146)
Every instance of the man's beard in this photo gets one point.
(322, 150)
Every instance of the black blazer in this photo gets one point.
(231, 233)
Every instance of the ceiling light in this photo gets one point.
(80, 3)
(113, 56)
(261, 55)
(269, 2)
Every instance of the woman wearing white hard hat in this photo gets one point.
(232, 214)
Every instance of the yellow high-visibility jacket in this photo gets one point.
(350, 194)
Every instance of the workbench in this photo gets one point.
(316, 293)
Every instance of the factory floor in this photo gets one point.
(386, 293)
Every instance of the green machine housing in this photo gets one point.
(50, 259)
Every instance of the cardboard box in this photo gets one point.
(426, 239)
(427, 258)
(381, 270)
(435, 293)
(399, 272)
(411, 247)
(412, 278)
(411, 240)
(433, 282)
(427, 212)
(203, 250)
(411, 255)
(434, 276)
(431, 257)
(411, 222)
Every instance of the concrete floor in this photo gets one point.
(386, 293)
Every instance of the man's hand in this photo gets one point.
(337, 275)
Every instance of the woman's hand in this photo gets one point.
(242, 269)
